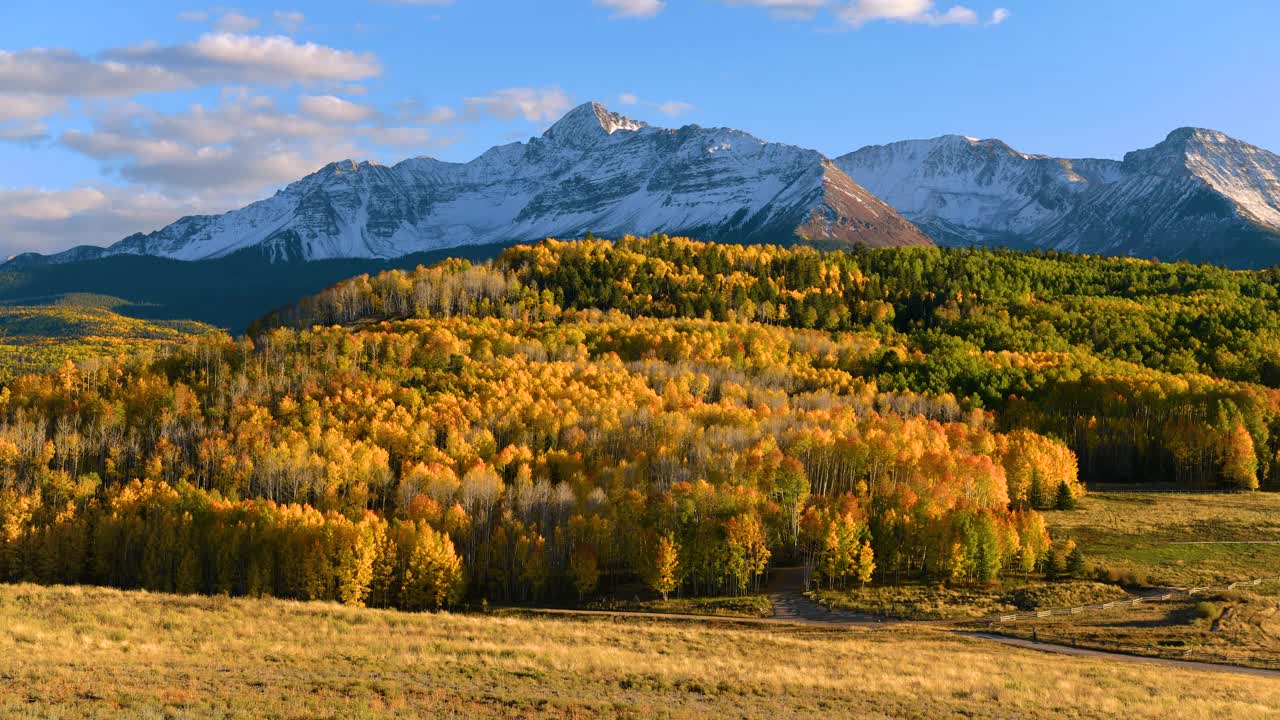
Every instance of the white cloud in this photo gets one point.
(674, 108)
(194, 16)
(65, 72)
(33, 219)
(861, 12)
(29, 106)
(856, 13)
(332, 109)
(628, 99)
(221, 58)
(234, 22)
(49, 205)
(533, 104)
(289, 20)
(24, 132)
(213, 59)
(632, 8)
(246, 146)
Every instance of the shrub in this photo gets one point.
(1206, 610)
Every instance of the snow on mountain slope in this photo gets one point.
(1199, 195)
(594, 170)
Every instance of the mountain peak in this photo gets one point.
(1195, 135)
(1188, 150)
(590, 121)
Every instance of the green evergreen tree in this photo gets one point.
(1075, 562)
(1051, 566)
(1064, 500)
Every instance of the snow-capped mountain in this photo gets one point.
(1199, 195)
(594, 170)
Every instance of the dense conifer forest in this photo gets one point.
(573, 416)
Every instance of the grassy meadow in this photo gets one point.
(90, 652)
(1148, 537)
(933, 601)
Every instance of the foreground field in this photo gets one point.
(77, 652)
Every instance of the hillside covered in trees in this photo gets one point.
(1152, 372)
(578, 415)
(79, 326)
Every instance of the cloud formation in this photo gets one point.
(29, 106)
(857, 13)
(245, 146)
(532, 104)
(35, 220)
(923, 12)
(67, 73)
(213, 59)
(328, 108)
(23, 132)
(228, 58)
(625, 9)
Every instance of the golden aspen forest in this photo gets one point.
(577, 415)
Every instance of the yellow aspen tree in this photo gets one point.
(866, 563)
(433, 576)
(664, 577)
(1239, 462)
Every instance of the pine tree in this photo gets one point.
(1035, 493)
(1075, 562)
(1051, 566)
(1064, 500)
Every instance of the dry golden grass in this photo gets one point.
(935, 601)
(744, 606)
(90, 652)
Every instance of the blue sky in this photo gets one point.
(120, 117)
